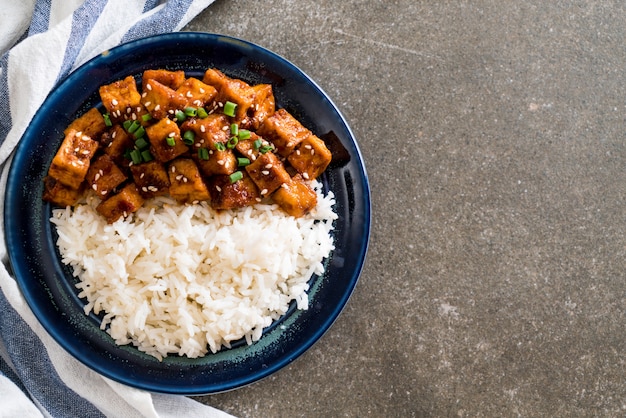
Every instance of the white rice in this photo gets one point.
(186, 279)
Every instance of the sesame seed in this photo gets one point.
(125, 214)
(258, 199)
(179, 177)
(146, 104)
(103, 192)
(307, 146)
(297, 152)
(264, 192)
(172, 134)
(268, 166)
(220, 162)
(144, 94)
(173, 169)
(218, 188)
(114, 102)
(201, 90)
(265, 172)
(153, 189)
(202, 128)
(113, 135)
(133, 116)
(157, 108)
(96, 177)
(189, 94)
(142, 175)
(185, 179)
(94, 186)
(78, 134)
(101, 172)
(144, 188)
(312, 151)
(171, 111)
(305, 175)
(76, 150)
(149, 86)
(284, 186)
(138, 108)
(128, 110)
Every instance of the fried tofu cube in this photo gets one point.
(120, 98)
(231, 89)
(165, 141)
(295, 197)
(284, 131)
(104, 176)
(71, 162)
(122, 204)
(232, 195)
(196, 93)
(59, 194)
(268, 173)
(161, 100)
(171, 79)
(91, 124)
(208, 131)
(310, 158)
(213, 162)
(115, 142)
(211, 136)
(151, 179)
(186, 183)
(263, 106)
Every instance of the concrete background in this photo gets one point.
(493, 135)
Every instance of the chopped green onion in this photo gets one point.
(244, 134)
(135, 155)
(140, 132)
(229, 108)
(127, 154)
(170, 141)
(203, 153)
(236, 176)
(242, 161)
(146, 155)
(133, 127)
(220, 147)
(232, 142)
(234, 129)
(257, 144)
(265, 149)
(141, 143)
(127, 124)
(191, 111)
(180, 115)
(202, 113)
(107, 120)
(146, 117)
(189, 137)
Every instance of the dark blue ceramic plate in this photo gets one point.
(48, 286)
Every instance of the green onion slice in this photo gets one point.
(235, 177)
(146, 155)
(203, 153)
(244, 134)
(257, 144)
(242, 161)
(266, 148)
(220, 147)
(135, 155)
(127, 124)
(146, 117)
(232, 142)
(141, 143)
(180, 115)
(170, 141)
(202, 113)
(140, 132)
(189, 137)
(229, 108)
(191, 111)
(107, 120)
(234, 129)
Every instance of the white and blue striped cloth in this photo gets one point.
(41, 42)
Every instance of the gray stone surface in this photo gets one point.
(493, 134)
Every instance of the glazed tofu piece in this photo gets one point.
(120, 98)
(59, 194)
(310, 158)
(295, 197)
(71, 162)
(122, 204)
(226, 194)
(91, 124)
(186, 183)
(165, 140)
(197, 93)
(254, 103)
(161, 100)
(115, 142)
(284, 131)
(104, 176)
(268, 173)
(171, 79)
(208, 131)
(263, 106)
(151, 179)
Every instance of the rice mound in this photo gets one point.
(186, 279)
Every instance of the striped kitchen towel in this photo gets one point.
(41, 42)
